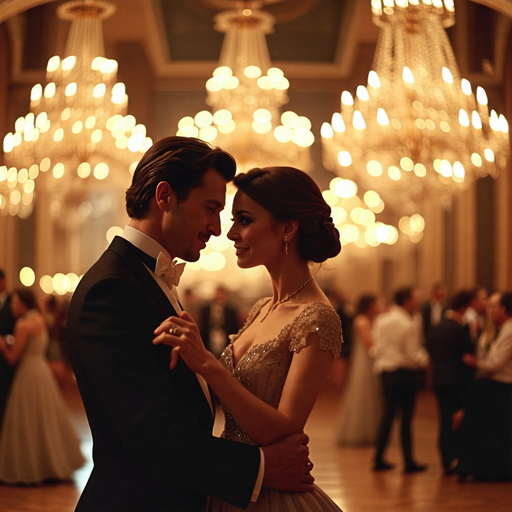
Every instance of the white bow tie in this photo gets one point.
(170, 270)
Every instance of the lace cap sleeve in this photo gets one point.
(322, 319)
(250, 317)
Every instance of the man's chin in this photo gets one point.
(191, 257)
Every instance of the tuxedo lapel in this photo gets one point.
(136, 260)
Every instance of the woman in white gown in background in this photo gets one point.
(38, 441)
(361, 408)
(283, 354)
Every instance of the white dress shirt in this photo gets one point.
(151, 247)
(496, 364)
(397, 341)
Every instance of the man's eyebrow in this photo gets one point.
(218, 204)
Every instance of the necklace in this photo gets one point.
(274, 306)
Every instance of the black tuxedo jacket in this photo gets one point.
(151, 426)
(426, 314)
(446, 343)
(7, 321)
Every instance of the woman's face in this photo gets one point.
(257, 236)
(17, 307)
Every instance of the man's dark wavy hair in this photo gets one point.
(506, 302)
(403, 294)
(181, 162)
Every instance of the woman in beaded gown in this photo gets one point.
(38, 441)
(283, 354)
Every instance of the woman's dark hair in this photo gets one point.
(27, 298)
(365, 302)
(290, 194)
(181, 162)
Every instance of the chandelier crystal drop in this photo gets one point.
(77, 138)
(246, 94)
(416, 131)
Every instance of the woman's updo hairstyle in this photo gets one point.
(290, 194)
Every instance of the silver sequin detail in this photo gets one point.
(263, 369)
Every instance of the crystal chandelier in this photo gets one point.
(416, 131)
(246, 93)
(356, 221)
(78, 139)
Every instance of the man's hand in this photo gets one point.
(287, 464)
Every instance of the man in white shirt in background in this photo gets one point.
(398, 355)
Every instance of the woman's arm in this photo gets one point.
(309, 368)
(13, 353)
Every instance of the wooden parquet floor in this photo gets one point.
(344, 473)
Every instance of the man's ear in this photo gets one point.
(165, 196)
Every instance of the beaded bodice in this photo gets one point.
(264, 367)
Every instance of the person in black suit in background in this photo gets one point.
(433, 310)
(151, 426)
(217, 321)
(447, 342)
(7, 321)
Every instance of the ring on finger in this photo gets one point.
(173, 329)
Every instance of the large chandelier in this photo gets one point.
(246, 94)
(77, 141)
(416, 131)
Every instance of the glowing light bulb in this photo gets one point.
(382, 117)
(337, 122)
(326, 131)
(407, 75)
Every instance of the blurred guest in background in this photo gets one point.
(487, 428)
(6, 328)
(447, 342)
(475, 314)
(37, 441)
(361, 409)
(433, 310)
(398, 355)
(218, 321)
(54, 311)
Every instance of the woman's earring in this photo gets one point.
(286, 244)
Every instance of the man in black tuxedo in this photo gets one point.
(433, 310)
(6, 327)
(447, 342)
(152, 445)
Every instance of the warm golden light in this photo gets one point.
(77, 120)
(416, 127)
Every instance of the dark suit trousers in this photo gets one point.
(450, 400)
(399, 392)
(6, 376)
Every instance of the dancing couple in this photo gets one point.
(142, 369)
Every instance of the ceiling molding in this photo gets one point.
(503, 6)
(9, 8)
